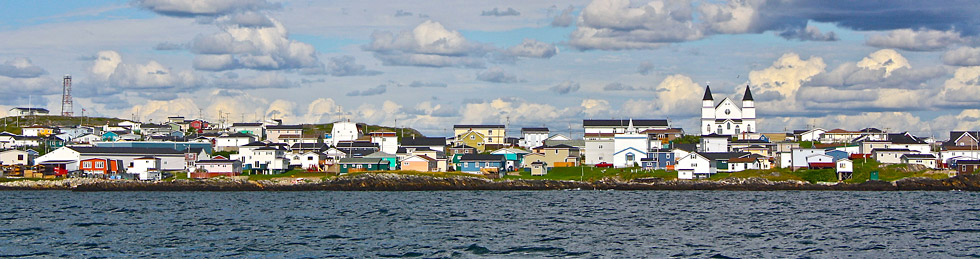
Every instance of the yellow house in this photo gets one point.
(493, 134)
(39, 131)
(473, 139)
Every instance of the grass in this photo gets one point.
(5, 179)
(295, 173)
(13, 124)
(588, 173)
(418, 173)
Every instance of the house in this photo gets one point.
(36, 131)
(218, 167)
(963, 139)
(434, 143)
(967, 167)
(264, 160)
(727, 118)
(460, 150)
(156, 129)
(473, 139)
(720, 160)
(532, 158)
(333, 155)
(256, 129)
(101, 166)
(392, 159)
(809, 135)
(299, 148)
(192, 155)
(310, 160)
(658, 159)
(908, 141)
(599, 136)
(560, 155)
(694, 165)
(630, 146)
(146, 168)
(818, 161)
(86, 139)
(492, 134)
(845, 169)
(890, 155)
(21, 111)
(715, 143)
(387, 141)
(419, 163)
(344, 131)
(514, 157)
(301, 138)
(482, 164)
(16, 157)
(533, 137)
(232, 141)
(840, 136)
(745, 163)
(354, 149)
(662, 138)
(171, 159)
(961, 152)
(927, 160)
(277, 132)
(797, 158)
(539, 168)
(351, 165)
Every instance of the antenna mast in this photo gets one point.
(66, 103)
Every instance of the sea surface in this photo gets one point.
(466, 224)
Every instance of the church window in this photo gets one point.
(729, 125)
(748, 128)
(719, 129)
(727, 111)
(737, 130)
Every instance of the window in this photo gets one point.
(101, 164)
(472, 137)
(630, 157)
(87, 164)
(737, 130)
(20, 157)
(729, 125)
(719, 129)
(556, 151)
(490, 139)
(489, 132)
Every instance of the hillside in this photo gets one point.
(320, 129)
(13, 124)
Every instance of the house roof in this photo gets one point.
(380, 154)
(535, 130)
(462, 126)
(236, 135)
(126, 150)
(715, 135)
(750, 141)
(722, 120)
(891, 150)
(707, 93)
(285, 127)
(308, 146)
(246, 124)
(351, 144)
(424, 141)
(686, 147)
(559, 146)
(904, 138)
(722, 155)
(482, 157)
(841, 131)
(922, 156)
(217, 161)
(146, 158)
(32, 109)
(624, 123)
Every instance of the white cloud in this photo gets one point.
(21, 68)
(595, 107)
(496, 75)
(497, 12)
(116, 76)
(886, 59)
(963, 56)
(251, 47)
(377, 90)
(565, 87)
(810, 33)
(564, 19)
(616, 25)
(531, 48)
(188, 8)
(677, 95)
(786, 75)
(916, 40)
(962, 89)
(429, 44)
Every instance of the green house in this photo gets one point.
(349, 165)
(392, 159)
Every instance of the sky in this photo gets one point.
(894, 65)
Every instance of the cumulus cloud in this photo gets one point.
(963, 56)
(500, 110)
(192, 8)
(346, 66)
(116, 76)
(169, 46)
(565, 87)
(675, 94)
(564, 19)
(886, 59)
(496, 75)
(916, 40)
(616, 25)
(617, 86)
(595, 107)
(531, 48)
(250, 47)
(377, 90)
(962, 88)
(429, 45)
(497, 12)
(810, 33)
(232, 80)
(21, 68)
(786, 74)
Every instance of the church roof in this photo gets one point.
(748, 94)
(707, 93)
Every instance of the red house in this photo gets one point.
(100, 166)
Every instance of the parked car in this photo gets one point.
(604, 164)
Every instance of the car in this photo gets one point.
(603, 164)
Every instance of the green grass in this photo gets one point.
(13, 124)
(418, 173)
(588, 173)
(5, 179)
(295, 173)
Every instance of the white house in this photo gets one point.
(21, 111)
(232, 141)
(533, 137)
(845, 169)
(890, 155)
(387, 141)
(344, 131)
(727, 118)
(309, 160)
(599, 136)
(799, 155)
(146, 168)
(630, 146)
(265, 160)
(694, 165)
(86, 139)
(820, 161)
(714, 143)
(16, 157)
(927, 160)
(278, 132)
(256, 129)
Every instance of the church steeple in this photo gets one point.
(707, 93)
(748, 94)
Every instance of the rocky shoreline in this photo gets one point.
(399, 182)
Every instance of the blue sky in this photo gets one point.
(432, 64)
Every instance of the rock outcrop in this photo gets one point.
(401, 182)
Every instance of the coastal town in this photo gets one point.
(727, 142)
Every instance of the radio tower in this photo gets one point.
(66, 109)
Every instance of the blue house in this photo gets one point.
(110, 136)
(475, 163)
(658, 159)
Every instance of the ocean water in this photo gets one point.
(466, 224)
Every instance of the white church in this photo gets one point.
(726, 118)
